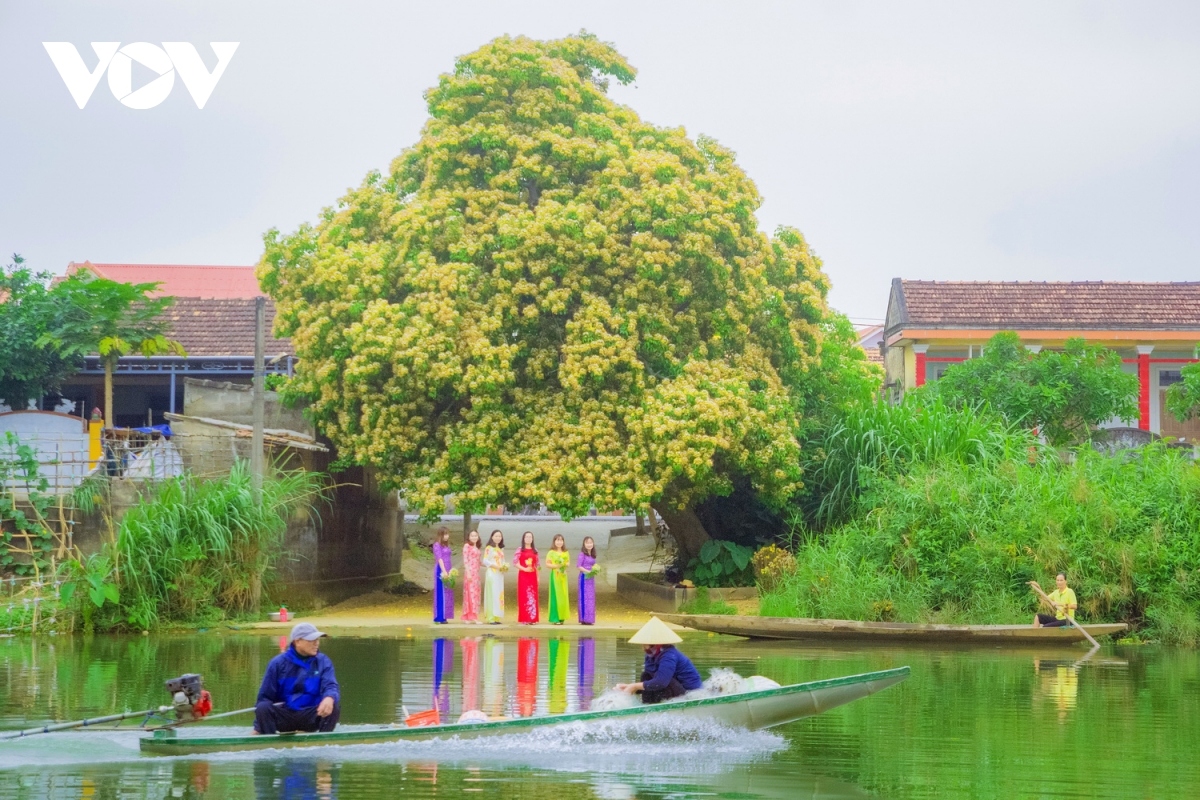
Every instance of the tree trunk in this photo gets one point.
(686, 529)
(108, 387)
(641, 524)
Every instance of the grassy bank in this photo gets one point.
(198, 550)
(954, 539)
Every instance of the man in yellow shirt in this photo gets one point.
(1062, 602)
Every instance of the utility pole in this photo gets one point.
(259, 400)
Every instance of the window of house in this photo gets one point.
(937, 369)
(1167, 377)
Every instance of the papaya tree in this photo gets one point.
(112, 319)
(548, 300)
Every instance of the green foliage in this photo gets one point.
(1183, 398)
(721, 563)
(547, 299)
(1062, 393)
(878, 441)
(95, 576)
(23, 520)
(703, 603)
(97, 315)
(956, 541)
(29, 366)
(90, 585)
(1174, 621)
(47, 329)
(843, 382)
(195, 550)
(275, 382)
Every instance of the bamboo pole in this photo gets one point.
(83, 723)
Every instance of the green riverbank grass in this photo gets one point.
(956, 542)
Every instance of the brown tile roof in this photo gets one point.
(221, 327)
(1097, 305)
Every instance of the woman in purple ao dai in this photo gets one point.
(587, 582)
(443, 594)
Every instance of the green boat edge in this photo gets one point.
(166, 742)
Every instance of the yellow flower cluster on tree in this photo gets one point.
(548, 300)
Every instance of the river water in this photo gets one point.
(970, 722)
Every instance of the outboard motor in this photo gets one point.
(189, 698)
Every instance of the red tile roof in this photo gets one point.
(1096, 305)
(221, 327)
(180, 280)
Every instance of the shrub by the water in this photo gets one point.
(955, 540)
(771, 564)
(196, 549)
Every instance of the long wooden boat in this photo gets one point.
(889, 632)
(752, 710)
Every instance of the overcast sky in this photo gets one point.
(993, 141)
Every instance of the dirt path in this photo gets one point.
(383, 610)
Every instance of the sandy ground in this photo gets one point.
(384, 610)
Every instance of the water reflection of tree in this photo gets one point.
(967, 711)
(73, 677)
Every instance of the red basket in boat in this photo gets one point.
(424, 718)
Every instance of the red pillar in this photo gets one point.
(920, 350)
(1143, 364)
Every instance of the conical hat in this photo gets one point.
(655, 632)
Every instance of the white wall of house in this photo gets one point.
(61, 443)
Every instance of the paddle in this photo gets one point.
(1034, 585)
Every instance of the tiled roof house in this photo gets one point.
(932, 325)
(212, 317)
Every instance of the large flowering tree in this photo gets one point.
(549, 300)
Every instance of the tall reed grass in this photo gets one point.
(956, 540)
(195, 550)
(880, 440)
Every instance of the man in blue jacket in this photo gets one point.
(299, 691)
(666, 672)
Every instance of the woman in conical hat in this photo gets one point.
(666, 672)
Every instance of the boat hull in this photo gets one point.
(889, 632)
(752, 710)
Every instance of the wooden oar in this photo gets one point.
(1066, 613)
